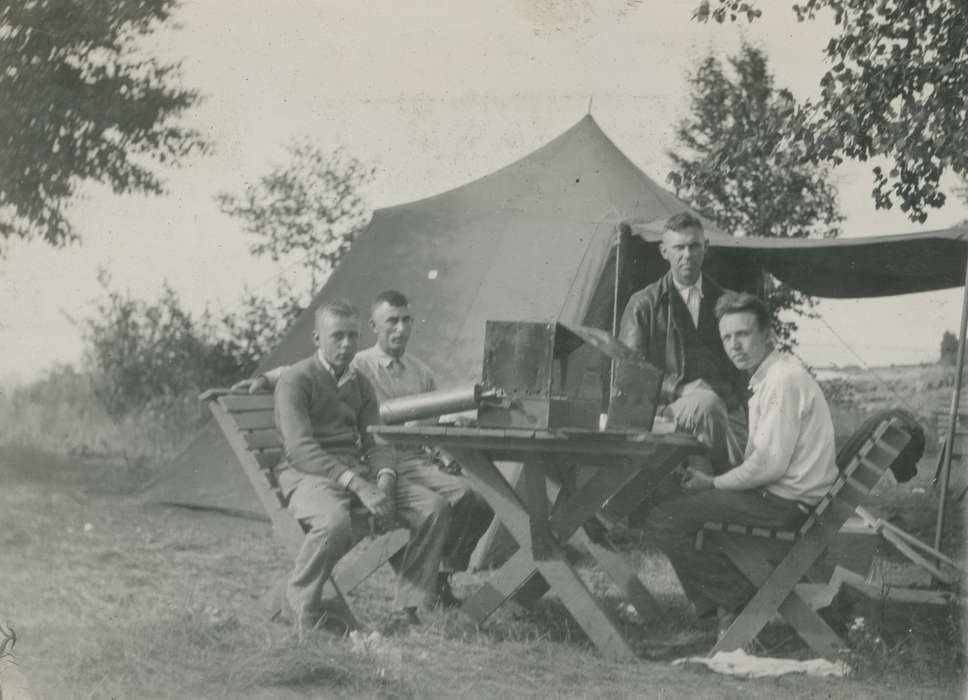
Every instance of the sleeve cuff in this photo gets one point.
(345, 478)
(388, 471)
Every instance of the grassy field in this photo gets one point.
(114, 599)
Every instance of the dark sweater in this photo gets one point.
(323, 426)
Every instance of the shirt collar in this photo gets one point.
(341, 379)
(760, 374)
(684, 288)
(385, 359)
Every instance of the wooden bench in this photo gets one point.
(248, 423)
(754, 551)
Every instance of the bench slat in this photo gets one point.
(238, 403)
(852, 491)
(262, 439)
(255, 420)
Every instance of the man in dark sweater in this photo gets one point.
(323, 407)
(673, 324)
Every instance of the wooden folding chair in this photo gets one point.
(248, 422)
(959, 443)
(754, 550)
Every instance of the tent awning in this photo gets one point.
(847, 268)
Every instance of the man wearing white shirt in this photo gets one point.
(788, 464)
(672, 324)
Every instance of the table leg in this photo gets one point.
(640, 486)
(575, 596)
(586, 610)
(623, 576)
(543, 544)
(504, 583)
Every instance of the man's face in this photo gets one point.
(745, 342)
(392, 326)
(337, 337)
(685, 251)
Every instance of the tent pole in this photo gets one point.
(952, 417)
(621, 256)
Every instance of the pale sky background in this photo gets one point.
(433, 95)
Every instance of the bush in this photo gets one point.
(136, 399)
(840, 392)
(147, 355)
(949, 349)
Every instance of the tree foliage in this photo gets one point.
(949, 349)
(308, 209)
(148, 354)
(243, 337)
(896, 88)
(738, 167)
(80, 101)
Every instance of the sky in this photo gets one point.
(432, 95)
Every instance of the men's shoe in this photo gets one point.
(327, 622)
(444, 596)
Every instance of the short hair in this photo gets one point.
(743, 302)
(682, 221)
(391, 297)
(340, 308)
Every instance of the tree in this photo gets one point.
(738, 167)
(896, 88)
(309, 208)
(949, 349)
(246, 335)
(146, 354)
(143, 353)
(79, 101)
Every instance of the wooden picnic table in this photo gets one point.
(623, 467)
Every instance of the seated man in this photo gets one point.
(394, 373)
(319, 401)
(789, 464)
(672, 323)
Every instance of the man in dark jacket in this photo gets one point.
(673, 324)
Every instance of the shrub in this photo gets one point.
(148, 355)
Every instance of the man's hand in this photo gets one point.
(255, 385)
(388, 484)
(697, 481)
(691, 404)
(375, 499)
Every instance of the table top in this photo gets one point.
(561, 440)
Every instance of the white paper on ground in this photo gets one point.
(739, 663)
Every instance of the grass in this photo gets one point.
(112, 599)
(115, 600)
(60, 414)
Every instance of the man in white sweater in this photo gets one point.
(788, 465)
